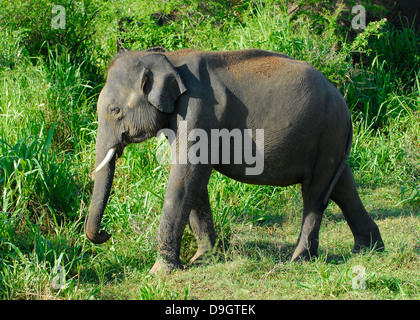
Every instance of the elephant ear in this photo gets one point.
(161, 82)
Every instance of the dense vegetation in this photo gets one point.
(50, 79)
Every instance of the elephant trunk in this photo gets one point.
(104, 175)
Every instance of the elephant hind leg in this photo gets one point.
(308, 241)
(315, 187)
(365, 231)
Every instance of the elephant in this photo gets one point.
(307, 137)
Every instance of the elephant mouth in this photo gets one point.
(118, 149)
(136, 139)
(110, 154)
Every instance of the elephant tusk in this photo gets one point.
(108, 158)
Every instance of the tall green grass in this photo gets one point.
(49, 84)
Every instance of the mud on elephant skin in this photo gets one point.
(189, 94)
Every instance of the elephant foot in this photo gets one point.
(304, 256)
(161, 266)
(368, 243)
(302, 253)
(204, 257)
(198, 257)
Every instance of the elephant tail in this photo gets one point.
(342, 165)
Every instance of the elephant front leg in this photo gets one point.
(186, 184)
(170, 233)
(202, 225)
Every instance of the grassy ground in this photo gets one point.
(49, 83)
(256, 265)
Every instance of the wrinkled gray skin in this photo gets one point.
(307, 138)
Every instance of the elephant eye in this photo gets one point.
(115, 110)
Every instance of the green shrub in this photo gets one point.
(35, 183)
(34, 20)
(388, 61)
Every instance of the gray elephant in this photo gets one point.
(306, 126)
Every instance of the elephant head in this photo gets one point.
(136, 102)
